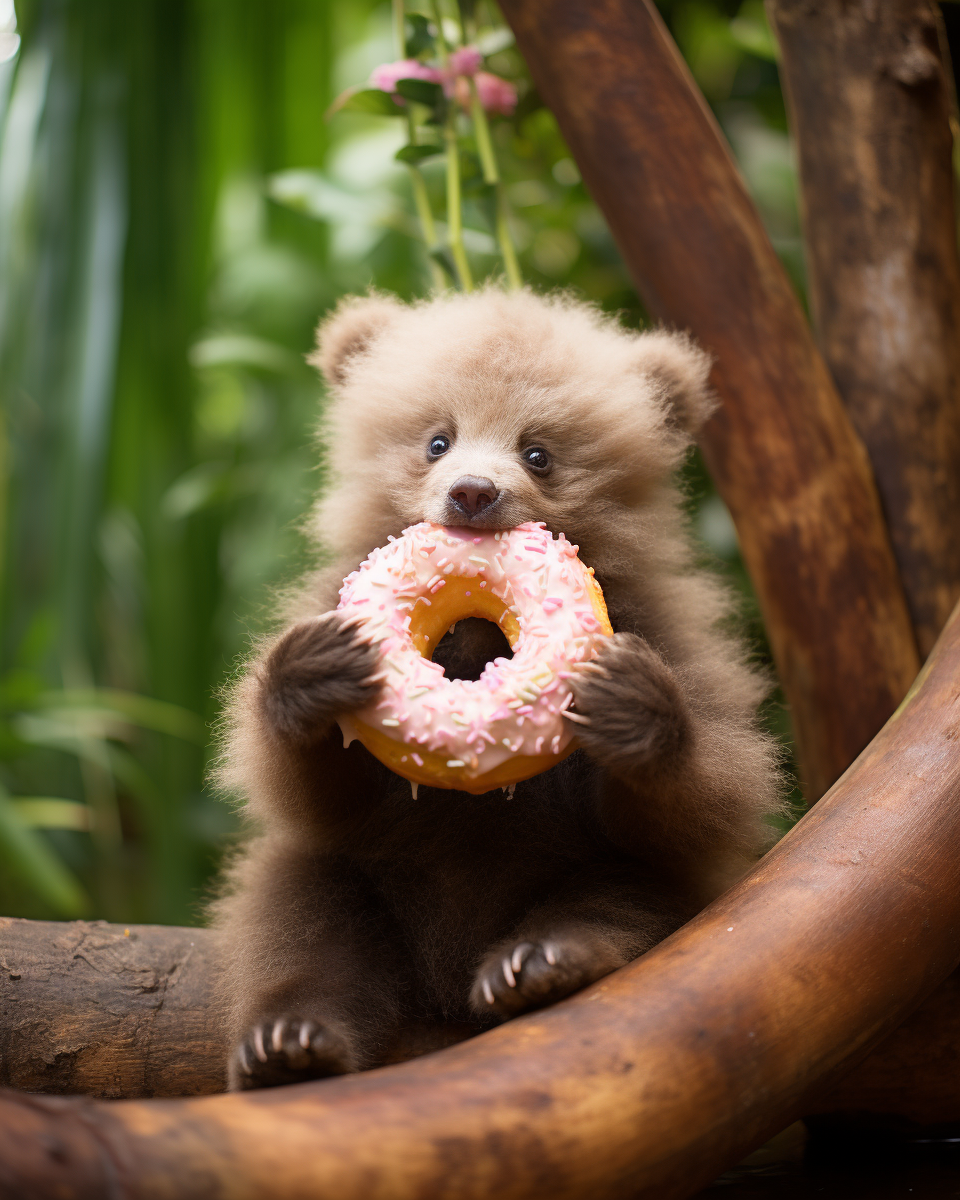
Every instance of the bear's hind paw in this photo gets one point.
(288, 1049)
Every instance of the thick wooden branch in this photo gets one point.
(130, 1013)
(870, 105)
(782, 449)
(646, 1084)
(107, 1010)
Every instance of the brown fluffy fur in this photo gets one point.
(355, 913)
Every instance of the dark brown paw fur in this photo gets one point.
(527, 975)
(633, 712)
(318, 669)
(288, 1050)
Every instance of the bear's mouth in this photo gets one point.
(496, 515)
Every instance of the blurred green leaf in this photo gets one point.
(29, 857)
(751, 31)
(494, 40)
(422, 91)
(370, 101)
(46, 812)
(418, 36)
(143, 711)
(239, 349)
(417, 154)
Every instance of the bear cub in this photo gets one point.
(359, 925)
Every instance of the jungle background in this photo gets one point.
(176, 213)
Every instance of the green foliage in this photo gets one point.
(175, 214)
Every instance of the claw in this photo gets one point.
(258, 1047)
(508, 973)
(306, 1033)
(578, 718)
(276, 1038)
(550, 954)
(488, 992)
(517, 961)
(243, 1058)
(377, 678)
(596, 667)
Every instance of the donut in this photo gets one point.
(510, 724)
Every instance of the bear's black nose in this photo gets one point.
(472, 495)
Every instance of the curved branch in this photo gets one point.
(781, 449)
(647, 1083)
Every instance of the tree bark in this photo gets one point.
(108, 1010)
(117, 1012)
(781, 448)
(646, 1084)
(870, 106)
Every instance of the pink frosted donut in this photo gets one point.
(474, 735)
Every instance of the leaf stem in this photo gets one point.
(399, 27)
(491, 174)
(452, 152)
(421, 201)
(441, 40)
(454, 214)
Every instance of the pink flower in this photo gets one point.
(496, 95)
(386, 75)
(466, 61)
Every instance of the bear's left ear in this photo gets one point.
(680, 370)
(350, 330)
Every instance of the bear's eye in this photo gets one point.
(438, 445)
(537, 458)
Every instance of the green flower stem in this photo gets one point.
(507, 249)
(481, 127)
(491, 174)
(399, 27)
(424, 213)
(454, 217)
(422, 201)
(441, 40)
(452, 151)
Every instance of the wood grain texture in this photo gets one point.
(913, 1077)
(130, 1013)
(869, 103)
(107, 1010)
(781, 448)
(646, 1084)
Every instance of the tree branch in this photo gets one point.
(649, 1082)
(870, 107)
(781, 449)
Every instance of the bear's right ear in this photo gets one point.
(353, 326)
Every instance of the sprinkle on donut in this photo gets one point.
(509, 724)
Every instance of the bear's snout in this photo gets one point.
(471, 494)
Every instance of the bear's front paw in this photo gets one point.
(631, 712)
(288, 1050)
(530, 975)
(317, 670)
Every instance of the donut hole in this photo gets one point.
(467, 647)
